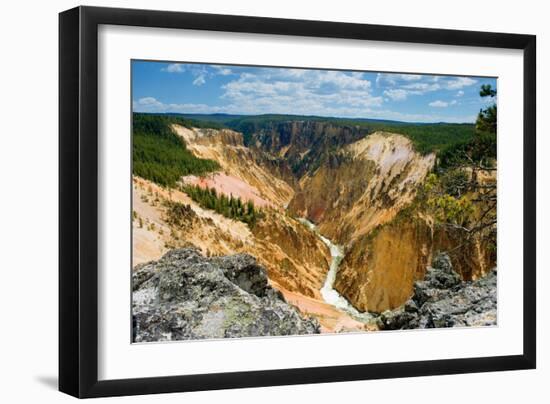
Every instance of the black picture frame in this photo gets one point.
(78, 201)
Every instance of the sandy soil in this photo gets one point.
(331, 319)
(149, 239)
(238, 161)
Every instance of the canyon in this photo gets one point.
(341, 237)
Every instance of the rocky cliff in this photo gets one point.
(358, 187)
(247, 170)
(185, 295)
(295, 258)
(303, 145)
(361, 186)
(442, 299)
(380, 268)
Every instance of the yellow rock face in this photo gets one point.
(365, 186)
(379, 270)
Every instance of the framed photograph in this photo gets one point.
(251, 201)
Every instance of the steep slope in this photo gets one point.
(362, 186)
(380, 268)
(295, 259)
(442, 299)
(239, 165)
(357, 187)
(302, 145)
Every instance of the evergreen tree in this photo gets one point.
(231, 207)
(159, 155)
(487, 118)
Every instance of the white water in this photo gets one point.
(329, 294)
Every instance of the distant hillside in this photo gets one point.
(208, 118)
(426, 137)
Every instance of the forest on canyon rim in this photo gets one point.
(284, 225)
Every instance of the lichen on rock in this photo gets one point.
(442, 299)
(185, 295)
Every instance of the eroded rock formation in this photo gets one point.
(362, 186)
(442, 299)
(356, 186)
(185, 295)
(241, 166)
(380, 268)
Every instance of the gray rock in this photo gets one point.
(442, 299)
(187, 296)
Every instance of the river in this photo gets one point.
(329, 294)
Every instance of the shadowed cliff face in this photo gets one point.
(304, 145)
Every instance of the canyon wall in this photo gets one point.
(240, 165)
(379, 269)
(303, 145)
(357, 187)
(363, 185)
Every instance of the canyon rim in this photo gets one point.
(274, 201)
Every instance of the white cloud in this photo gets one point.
(314, 92)
(199, 72)
(151, 104)
(410, 77)
(300, 91)
(421, 88)
(459, 82)
(460, 93)
(222, 70)
(344, 81)
(199, 80)
(174, 68)
(396, 78)
(442, 104)
(439, 104)
(396, 94)
(148, 102)
(400, 86)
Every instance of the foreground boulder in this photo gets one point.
(187, 296)
(442, 299)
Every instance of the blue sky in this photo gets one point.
(203, 88)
